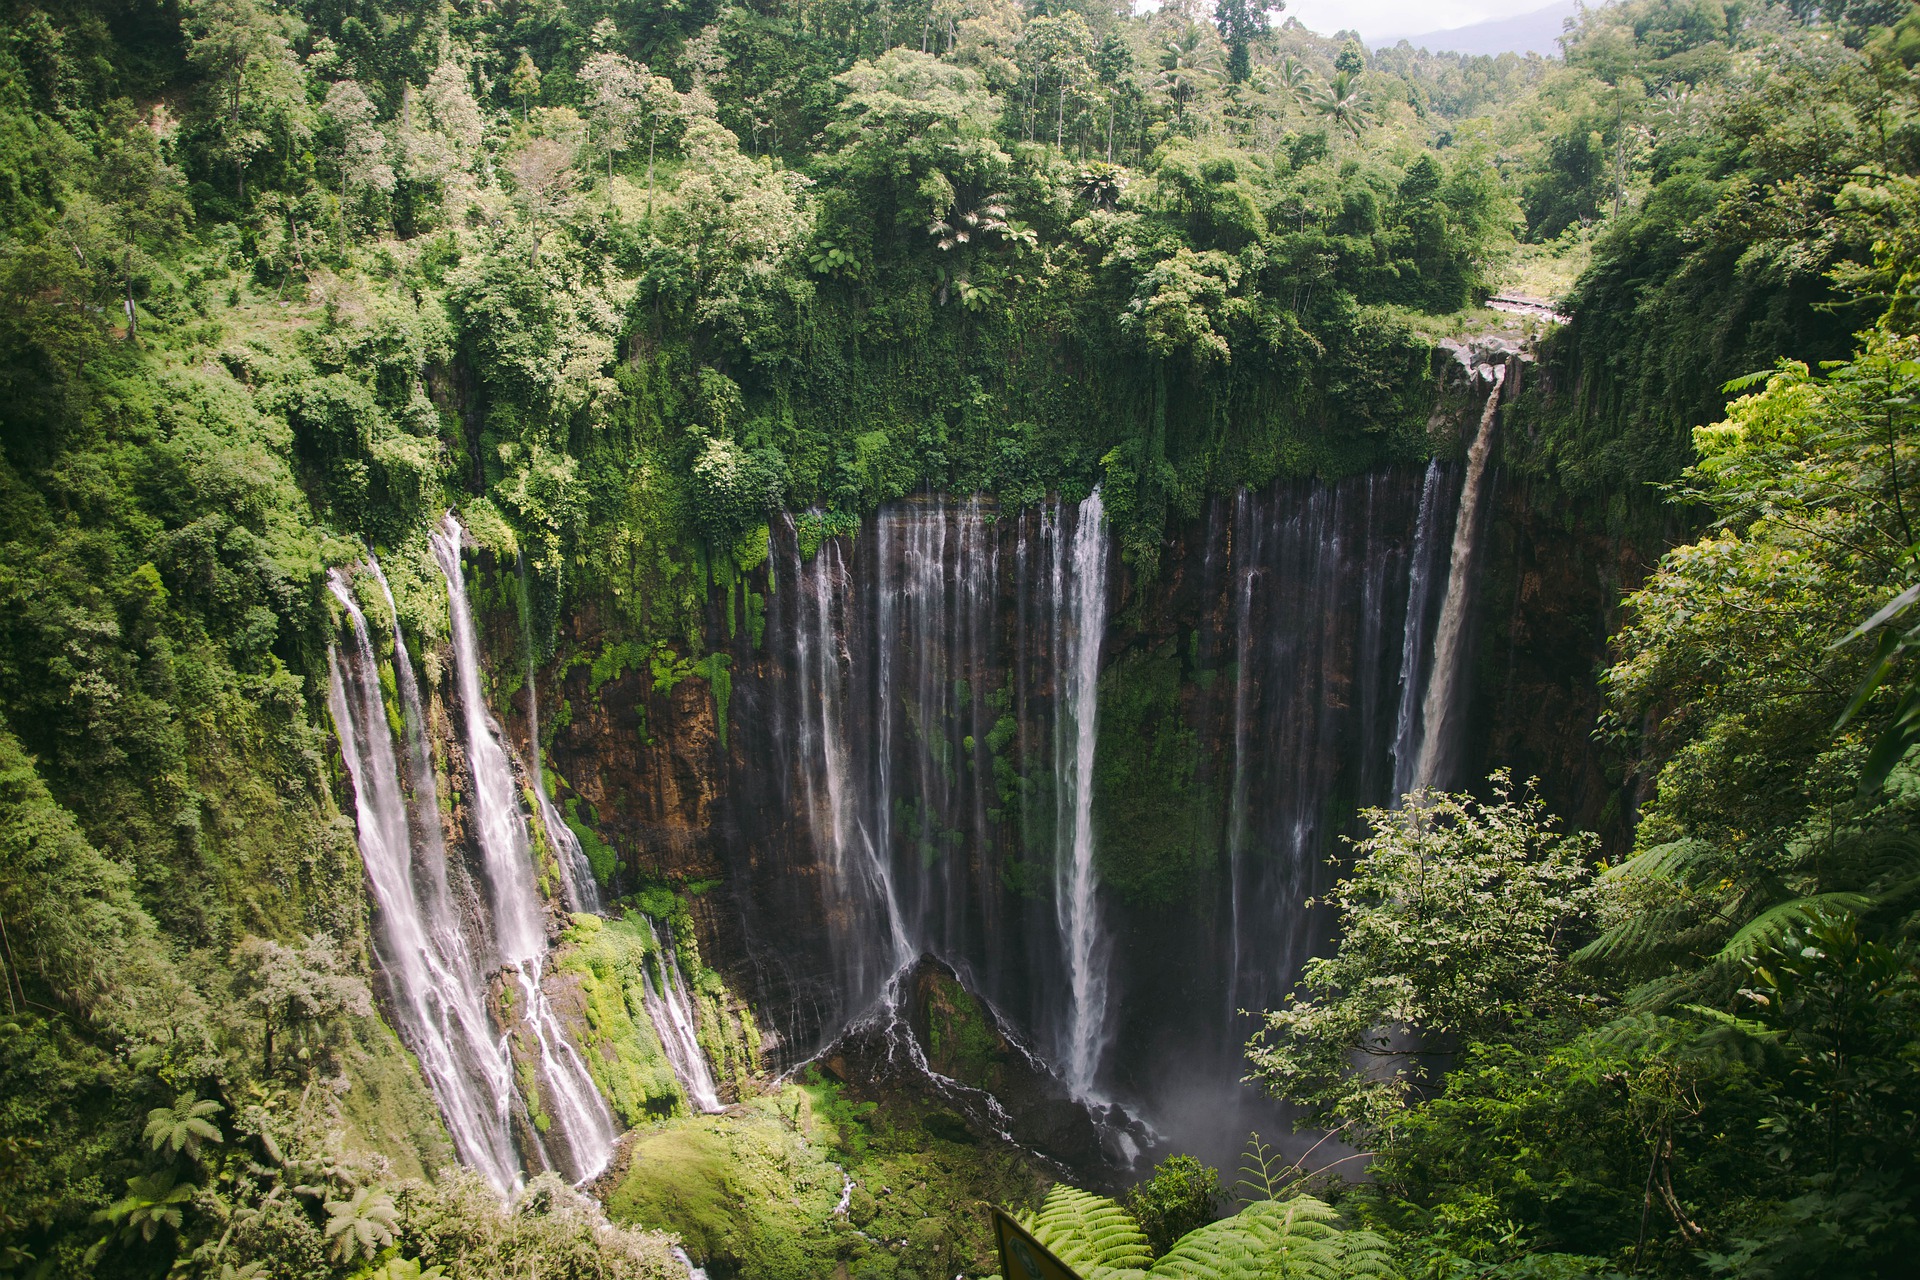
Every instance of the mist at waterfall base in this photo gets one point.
(912, 772)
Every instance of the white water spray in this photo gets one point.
(836, 815)
(1413, 639)
(671, 1008)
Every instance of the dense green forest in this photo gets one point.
(620, 281)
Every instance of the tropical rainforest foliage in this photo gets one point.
(280, 280)
(1699, 1059)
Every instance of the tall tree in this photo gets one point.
(1240, 23)
(243, 51)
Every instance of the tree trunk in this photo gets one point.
(133, 321)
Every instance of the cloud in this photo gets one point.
(1377, 18)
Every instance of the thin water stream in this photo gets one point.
(1079, 593)
(1440, 709)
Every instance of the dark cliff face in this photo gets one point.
(889, 777)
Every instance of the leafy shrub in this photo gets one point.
(1183, 1195)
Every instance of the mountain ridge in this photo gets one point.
(1537, 31)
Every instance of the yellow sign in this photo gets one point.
(1024, 1258)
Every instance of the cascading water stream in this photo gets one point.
(920, 754)
(436, 991)
(1438, 709)
(1413, 637)
(856, 861)
(580, 1117)
(1247, 541)
(671, 1009)
(1079, 596)
(576, 873)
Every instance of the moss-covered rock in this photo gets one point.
(961, 1038)
(747, 1192)
(755, 1194)
(608, 959)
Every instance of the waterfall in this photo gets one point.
(671, 1009)
(1079, 597)
(932, 584)
(1302, 586)
(1438, 710)
(1413, 637)
(576, 873)
(580, 1117)
(838, 809)
(1248, 536)
(901, 673)
(435, 987)
(914, 772)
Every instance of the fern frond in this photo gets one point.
(1365, 1254)
(1639, 935)
(1089, 1233)
(1676, 860)
(1264, 1174)
(1270, 1238)
(1765, 930)
(1886, 859)
(1634, 1032)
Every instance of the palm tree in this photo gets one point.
(960, 226)
(1188, 63)
(1295, 82)
(1101, 184)
(1344, 103)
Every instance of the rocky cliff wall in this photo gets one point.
(1252, 698)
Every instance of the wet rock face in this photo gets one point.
(944, 1054)
(1252, 698)
(1248, 702)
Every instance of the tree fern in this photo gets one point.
(1764, 932)
(1298, 1238)
(1295, 1239)
(1089, 1233)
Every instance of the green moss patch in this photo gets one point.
(608, 958)
(753, 1193)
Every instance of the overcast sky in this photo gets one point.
(1376, 18)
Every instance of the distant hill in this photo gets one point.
(1535, 32)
